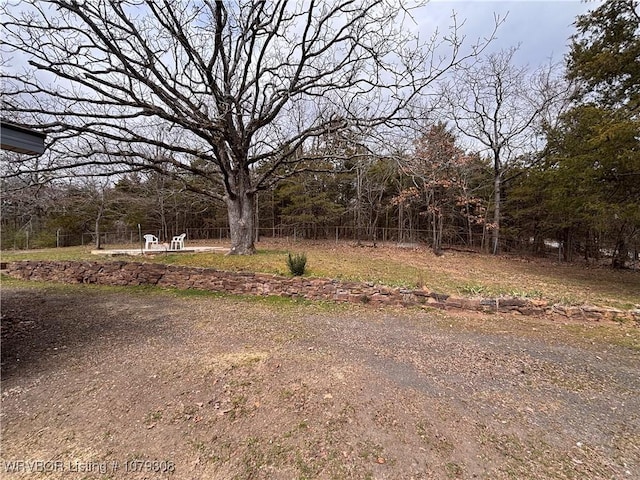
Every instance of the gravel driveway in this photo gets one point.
(109, 383)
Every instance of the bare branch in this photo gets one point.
(214, 85)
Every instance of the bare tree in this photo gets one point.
(228, 91)
(439, 172)
(500, 106)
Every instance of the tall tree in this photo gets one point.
(593, 166)
(228, 92)
(605, 55)
(595, 149)
(439, 170)
(499, 104)
(307, 204)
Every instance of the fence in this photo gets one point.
(330, 233)
(24, 240)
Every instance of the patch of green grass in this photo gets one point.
(258, 453)
(222, 450)
(306, 471)
(238, 407)
(153, 417)
(525, 293)
(265, 261)
(473, 289)
(198, 445)
(434, 440)
(454, 470)
(8, 281)
(287, 394)
(192, 292)
(369, 450)
(275, 302)
(56, 254)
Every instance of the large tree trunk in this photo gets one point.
(241, 213)
(438, 223)
(97, 227)
(621, 252)
(98, 243)
(241, 210)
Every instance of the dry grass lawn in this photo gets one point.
(454, 273)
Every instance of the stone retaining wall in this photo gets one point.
(237, 283)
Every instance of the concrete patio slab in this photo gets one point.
(158, 251)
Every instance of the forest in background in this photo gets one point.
(577, 195)
(369, 200)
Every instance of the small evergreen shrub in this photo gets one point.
(297, 263)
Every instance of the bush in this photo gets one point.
(44, 240)
(297, 264)
(22, 240)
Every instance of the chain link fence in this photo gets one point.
(477, 242)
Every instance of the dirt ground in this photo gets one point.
(105, 383)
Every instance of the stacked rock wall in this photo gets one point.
(239, 283)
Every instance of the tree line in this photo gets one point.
(264, 118)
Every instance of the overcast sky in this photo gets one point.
(541, 27)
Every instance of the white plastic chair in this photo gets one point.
(150, 240)
(177, 243)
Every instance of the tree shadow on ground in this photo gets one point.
(43, 329)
